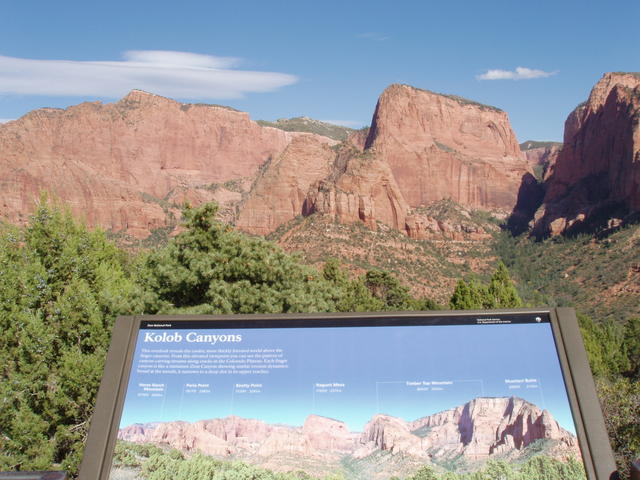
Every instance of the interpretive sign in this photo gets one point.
(383, 396)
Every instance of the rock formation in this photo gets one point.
(129, 165)
(489, 426)
(280, 193)
(391, 434)
(541, 157)
(442, 146)
(596, 178)
(476, 431)
(422, 148)
(361, 187)
(121, 165)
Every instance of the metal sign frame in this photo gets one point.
(590, 428)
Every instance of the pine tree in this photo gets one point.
(468, 296)
(386, 288)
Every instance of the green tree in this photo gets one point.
(386, 288)
(425, 473)
(60, 288)
(208, 268)
(500, 292)
(350, 295)
(606, 346)
(631, 348)
(468, 296)
(620, 400)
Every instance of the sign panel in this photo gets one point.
(368, 396)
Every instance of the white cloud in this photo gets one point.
(372, 36)
(5, 120)
(520, 73)
(345, 123)
(168, 73)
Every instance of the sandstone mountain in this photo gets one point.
(595, 182)
(128, 166)
(479, 430)
(422, 148)
(442, 146)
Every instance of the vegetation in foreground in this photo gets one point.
(61, 287)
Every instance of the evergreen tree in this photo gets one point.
(631, 347)
(499, 293)
(60, 288)
(350, 295)
(606, 346)
(386, 288)
(425, 473)
(209, 268)
(468, 296)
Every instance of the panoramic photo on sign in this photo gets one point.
(451, 395)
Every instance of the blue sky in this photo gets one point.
(374, 365)
(329, 60)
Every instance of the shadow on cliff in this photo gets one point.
(530, 197)
(587, 209)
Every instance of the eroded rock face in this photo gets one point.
(422, 148)
(487, 426)
(128, 166)
(542, 160)
(116, 164)
(361, 187)
(247, 438)
(478, 430)
(280, 193)
(597, 174)
(442, 146)
(387, 433)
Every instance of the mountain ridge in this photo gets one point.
(481, 429)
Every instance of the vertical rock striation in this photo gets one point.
(441, 146)
(596, 178)
(127, 166)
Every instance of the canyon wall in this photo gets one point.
(595, 182)
(129, 166)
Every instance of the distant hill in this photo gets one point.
(309, 125)
(531, 144)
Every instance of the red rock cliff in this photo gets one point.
(117, 165)
(422, 148)
(127, 166)
(597, 173)
(441, 146)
